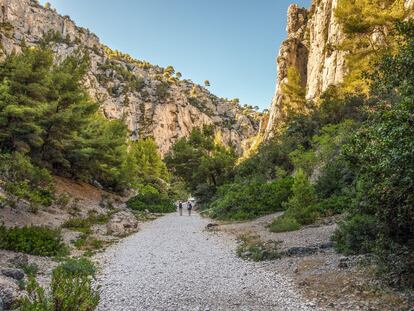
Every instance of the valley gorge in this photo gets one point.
(125, 187)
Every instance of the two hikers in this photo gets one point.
(189, 207)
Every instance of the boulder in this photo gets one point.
(326, 245)
(16, 274)
(122, 223)
(343, 262)
(211, 225)
(301, 251)
(9, 293)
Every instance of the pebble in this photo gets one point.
(189, 269)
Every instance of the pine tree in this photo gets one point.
(68, 109)
(301, 203)
(98, 152)
(147, 160)
(25, 81)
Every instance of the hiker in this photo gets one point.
(180, 207)
(189, 207)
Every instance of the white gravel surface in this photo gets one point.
(173, 264)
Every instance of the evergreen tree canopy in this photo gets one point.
(46, 113)
(201, 162)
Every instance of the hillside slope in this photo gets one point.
(152, 100)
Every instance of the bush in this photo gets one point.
(301, 208)
(239, 201)
(334, 205)
(357, 235)
(303, 194)
(88, 243)
(78, 224)
(304, 216)
(84, 224)
(149, 198)
(334, 178)
(71, 289)
(80, 266)
(31, 269)
(284, 224)
(72, 286)
(26, 181)
(252, 248)
(39, 241)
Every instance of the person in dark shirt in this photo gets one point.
(180, 208)
(189, 207)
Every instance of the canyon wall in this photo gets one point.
(152, 101)
(312, 37)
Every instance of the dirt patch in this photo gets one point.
(81, 199)
(353, 288)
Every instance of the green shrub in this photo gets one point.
(32, 240)
(84, 224)
(26, 181)
(301, 208)
(149, 198)
(334, 205)
(88, 243)
(3, 201)
(252, 248)
(239, 201)
(80, 266)
(304, 216)
(284, 224)
(356, 235)
(62, 200)
(30, 269)
(71, 289)
(78, 224)
(36, 300)
(334, 178)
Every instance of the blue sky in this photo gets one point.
(231, 43)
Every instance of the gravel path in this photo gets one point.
(173, 264)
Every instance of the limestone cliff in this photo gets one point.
(151, 100)
(310, 47)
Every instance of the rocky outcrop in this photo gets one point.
(152, 101)
(311, 48)
(122, 224)
(9, 293)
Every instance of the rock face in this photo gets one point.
(313, 35)
(149, 98)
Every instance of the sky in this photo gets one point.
(231, 43)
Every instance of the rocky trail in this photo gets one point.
(174, 264)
